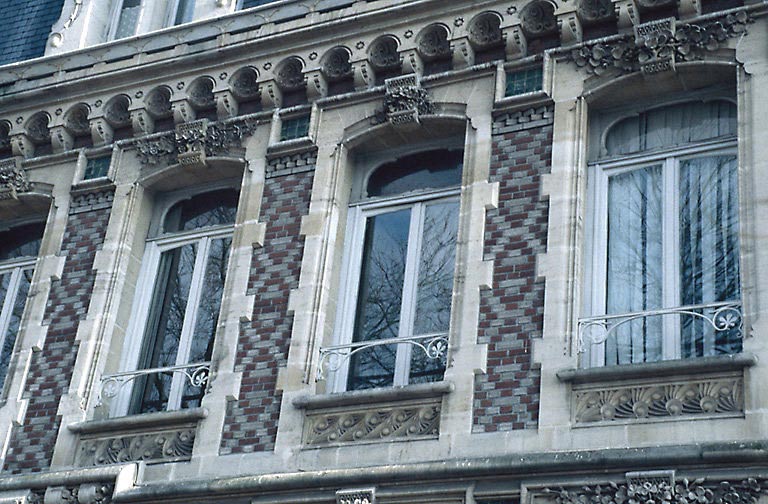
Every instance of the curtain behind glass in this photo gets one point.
(634, 276)
(709, 249)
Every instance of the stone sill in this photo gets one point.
(143, 422)
(659, 369)
(363, 397)
(292, 146)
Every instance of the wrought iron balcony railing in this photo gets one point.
(333, 357)
(196, 374)
(723, 316)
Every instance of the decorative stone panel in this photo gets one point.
(13, 179)
(699, 491)
(172, 444)
(657, 45)
(719, 395)
(372, 423)
(405, 100)
(356, 496)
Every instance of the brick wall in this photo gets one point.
(251, 423)
(511, 312)
(31, 444)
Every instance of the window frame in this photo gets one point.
(598, 175)
(115, 15)
(156, 244)
(173, 11)
(358, 213)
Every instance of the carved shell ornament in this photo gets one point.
(336, 65)
(76, 120)
(245, 83)
(433, 43)
(485, 30)
(158, 102)
(37, 128)
(384, 53)
(290, 75)
(538, 19)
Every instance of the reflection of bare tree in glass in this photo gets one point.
(380, 298)
(381, 292)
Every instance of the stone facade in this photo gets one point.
(208, 317)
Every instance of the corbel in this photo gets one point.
(363, 74)
(463, 53)
(226, 104)
(22, 145)
(183, 112)
(271, 94)
(627, 14)
(569, 26)
(515, 43)
(318, 85)
(61, 139)
(102, 132)
(413, 62)
(142, 121)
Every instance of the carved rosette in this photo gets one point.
(167, 445)
(13, 179)
(374, 424)
(650, 491)
(383, 54)
(714, 396)
(657, 45)
(290, 74)
(405, 100)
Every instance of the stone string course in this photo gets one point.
(251, 422)
(511, 312)
(31, 446)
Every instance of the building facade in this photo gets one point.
(388, 251)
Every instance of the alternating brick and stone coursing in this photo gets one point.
(31, 445)
(251, 422)
(511, 311)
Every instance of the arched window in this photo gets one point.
(665, 245)
(185, 269)
(399, 272)
(18, 252)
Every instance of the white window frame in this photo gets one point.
(147, 280)
(173, 10)
(117, 9)
(357, 216)
(16, 268)
(599, 173)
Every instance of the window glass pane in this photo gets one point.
(97, 167)
(524, 81)
(296, 127)
(21, 241)
(436, 264)
(17, 310)
(207, 314)
(671, 126)
(129, 17)
(208, 209)
(635, 263)
(380, 298)
(709, 249)
(426, 170)
(166, 319)
(184, 12)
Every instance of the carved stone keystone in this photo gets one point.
(13, 179)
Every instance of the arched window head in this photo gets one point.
(672, 126)
(215, 208)
(21, 241)
(436, 169)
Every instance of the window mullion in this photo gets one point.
(599, 258)
(410, 286)
(190, 320)
(671, 251)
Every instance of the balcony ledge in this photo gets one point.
(679, 367)
(140, 422)
(361, 397)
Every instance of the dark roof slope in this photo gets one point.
(25, 25)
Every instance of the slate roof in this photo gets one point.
(25, 25)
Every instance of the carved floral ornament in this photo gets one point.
(193, 142)
(654, 491)
(13, 179)
(404, 101)
(657, 45)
